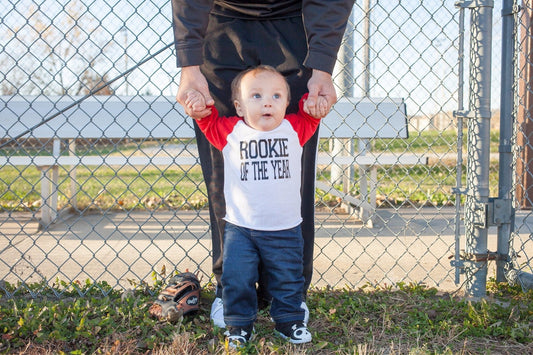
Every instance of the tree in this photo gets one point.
(91, 80)
(55, 50)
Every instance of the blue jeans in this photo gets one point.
(281, 255)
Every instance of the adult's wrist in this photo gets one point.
(321, 73)
(190, 69)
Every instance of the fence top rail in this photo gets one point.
(161, 117)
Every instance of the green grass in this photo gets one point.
(399, 319)
(106, 188)
(430, 140)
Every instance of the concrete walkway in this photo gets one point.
(410, 245)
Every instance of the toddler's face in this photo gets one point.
(263, 101)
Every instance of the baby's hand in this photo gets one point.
(195, 102)
(319, 110)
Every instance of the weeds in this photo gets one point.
(399, 319)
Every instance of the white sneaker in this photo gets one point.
(296, 333)
(217, 313)
(237, 336)
(306, 316)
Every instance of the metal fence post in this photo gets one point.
(363, 145)
(458, 190)
(478, 148)
(505, 181)
(345, 81)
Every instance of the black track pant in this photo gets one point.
(233, 45)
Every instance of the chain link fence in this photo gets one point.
(520, 238)
(99, 178)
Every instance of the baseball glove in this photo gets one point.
(180, 297)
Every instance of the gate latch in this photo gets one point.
(494, 213)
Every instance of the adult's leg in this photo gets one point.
(308, 206)
(212, 164)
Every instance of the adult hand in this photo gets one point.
(192, 80)
(320, 84)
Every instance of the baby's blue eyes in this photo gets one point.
(258, 96)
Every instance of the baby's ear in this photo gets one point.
(238, 108)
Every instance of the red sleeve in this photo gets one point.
(216, 128)
(304, 124)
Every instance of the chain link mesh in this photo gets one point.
(521, 240)
(119, 207)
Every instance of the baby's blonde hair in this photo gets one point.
(236, 83)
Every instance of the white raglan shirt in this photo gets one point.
(262, 177)
(262, 170)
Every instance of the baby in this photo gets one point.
(262, 148)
